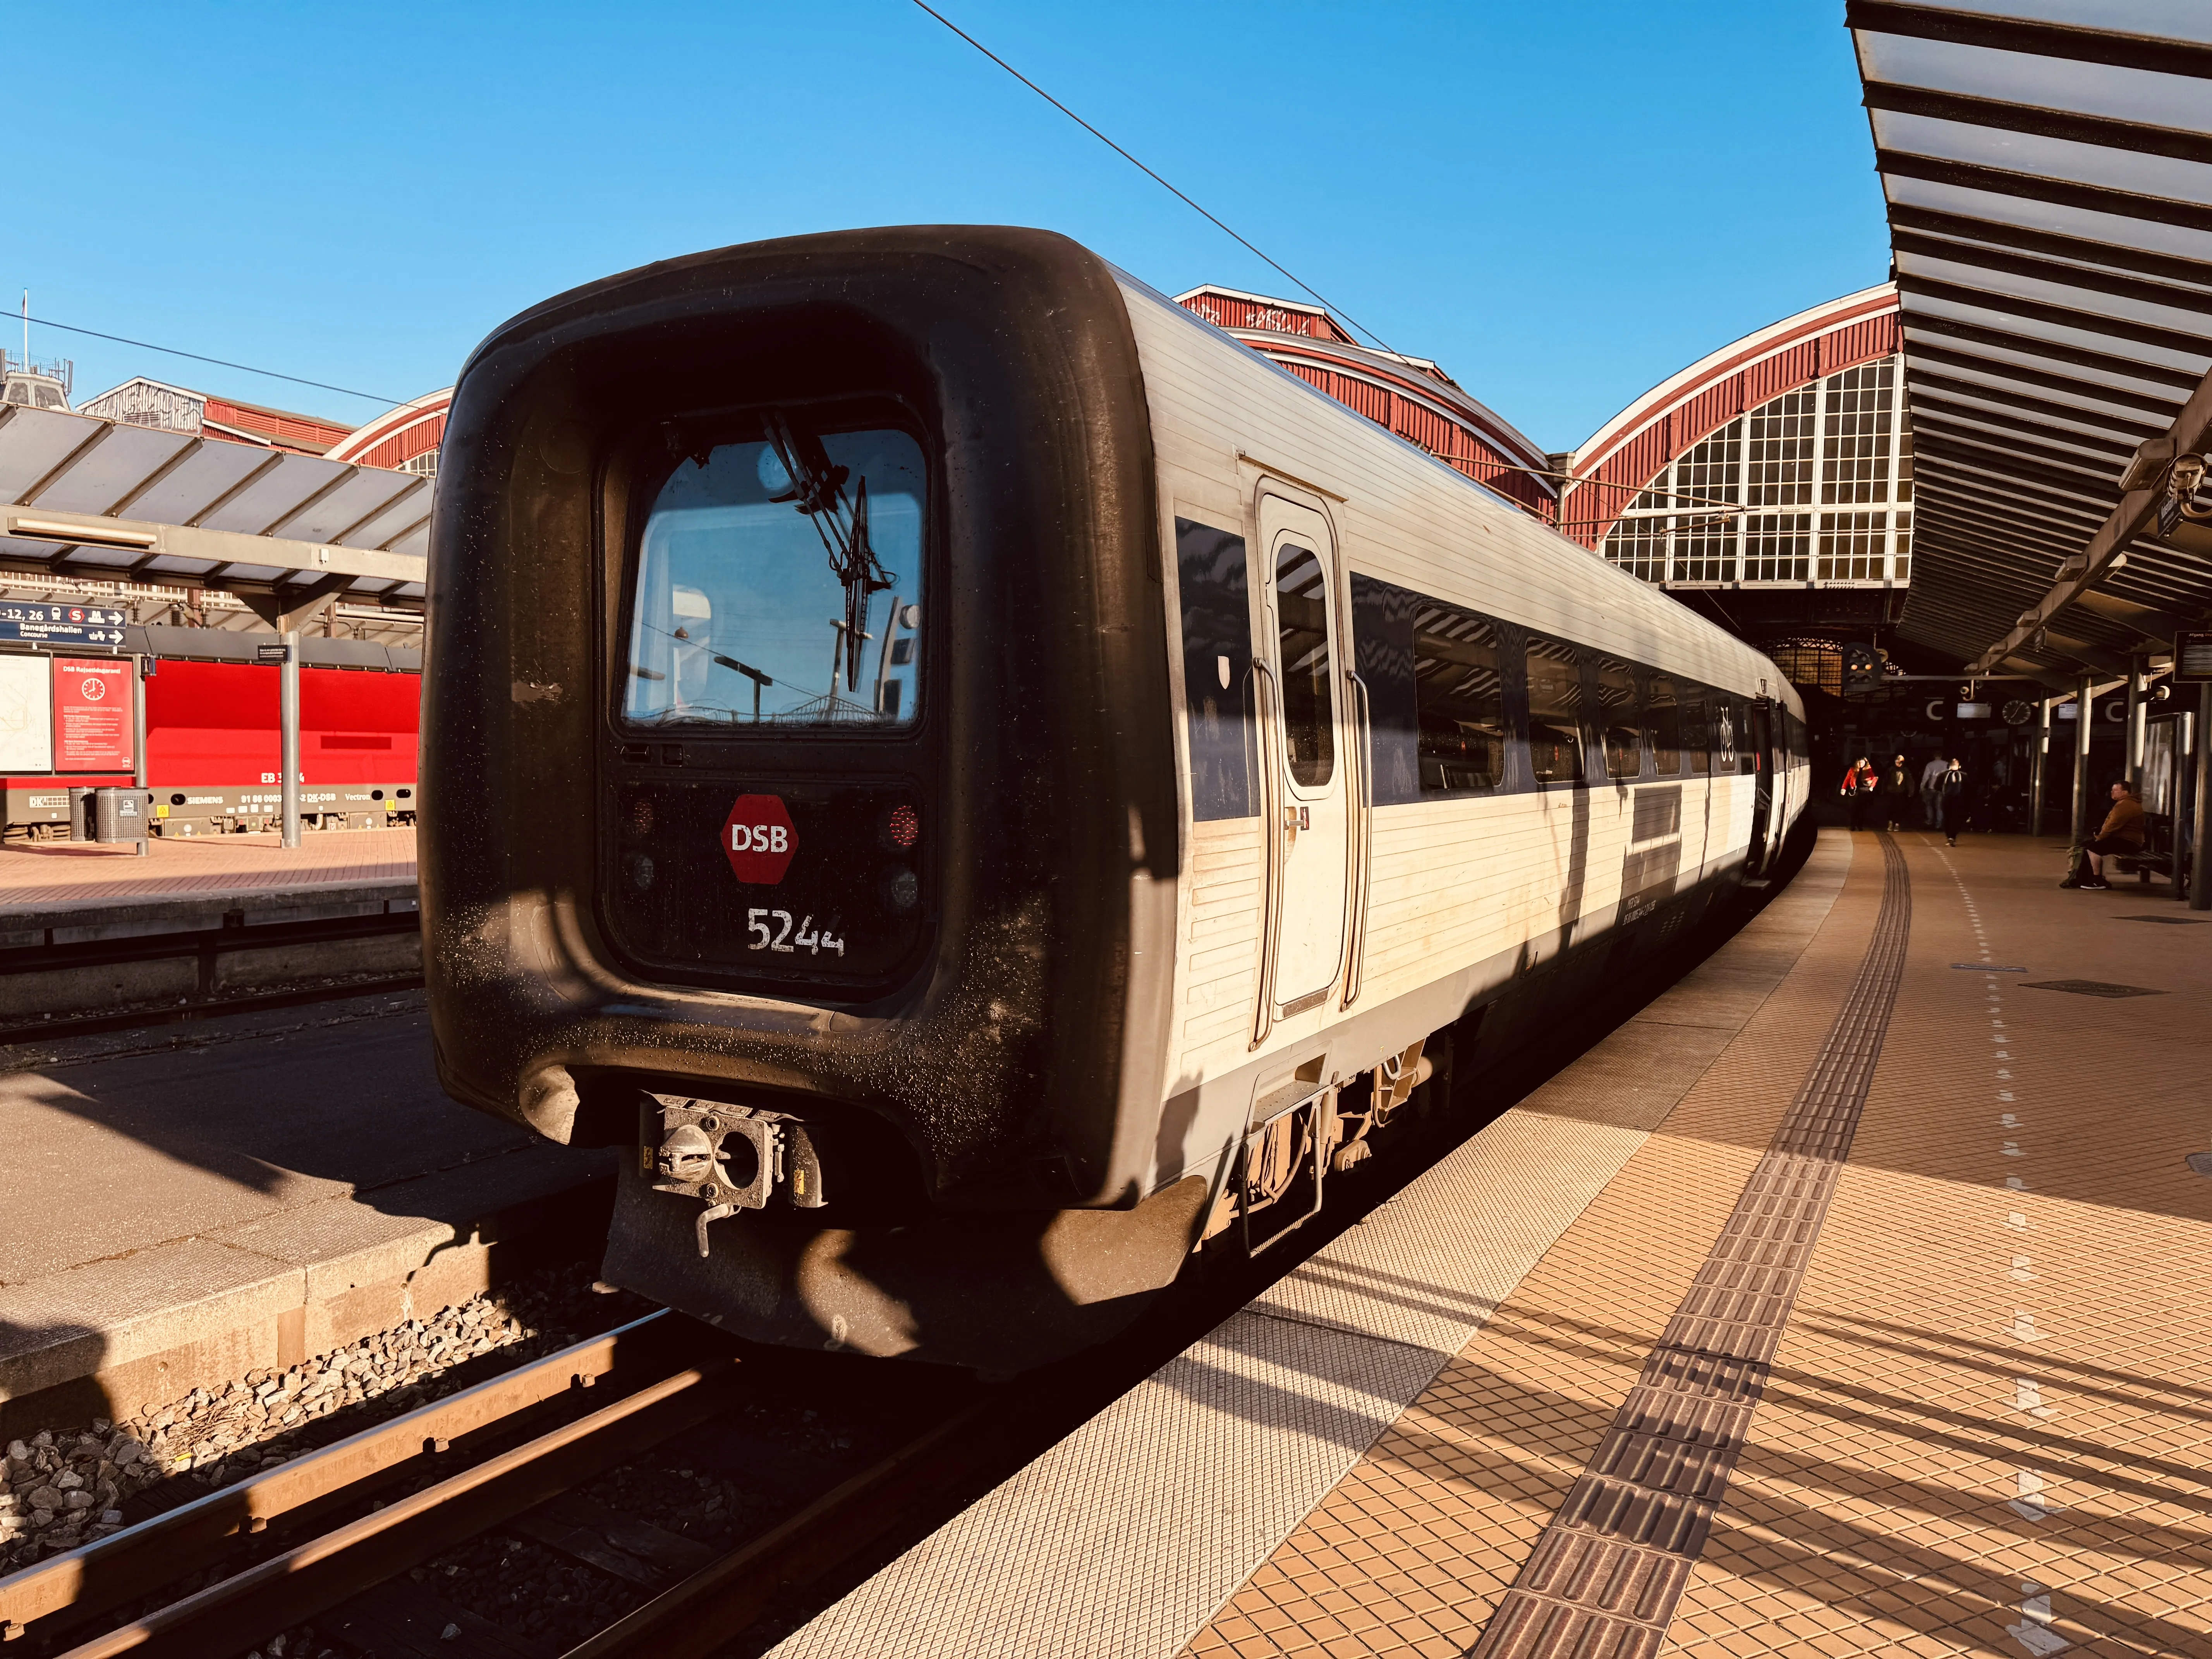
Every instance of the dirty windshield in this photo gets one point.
(779, 585)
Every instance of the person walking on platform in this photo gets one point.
(2123, 832)
(1945, 798)
(1931, 807)
(1896, 792)
(1859, 785)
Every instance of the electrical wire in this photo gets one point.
(1211, 218)
(220, 363)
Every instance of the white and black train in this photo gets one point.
(982, 783)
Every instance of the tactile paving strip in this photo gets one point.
(1604, 1578)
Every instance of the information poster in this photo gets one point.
(26, 719)
(92, 714)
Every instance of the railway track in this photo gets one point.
(58, 973)
(330, 1537)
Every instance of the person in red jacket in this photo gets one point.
(1859, 784)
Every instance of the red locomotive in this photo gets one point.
(211, 732)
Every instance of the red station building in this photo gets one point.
(210, 703)
(1410, 396)
(1768, 485)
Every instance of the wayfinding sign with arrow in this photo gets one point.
(73, 625)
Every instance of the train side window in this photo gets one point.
(1555, 711)
(1620, 718)
(1217, 656)
(1663, 718)
(1697, 728)
(1458, 695)
(1301, 640)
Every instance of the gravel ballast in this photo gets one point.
(67, 1487)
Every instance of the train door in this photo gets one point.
(1760, 748)
(1311, 770)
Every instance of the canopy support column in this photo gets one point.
(289, 730)
(2200, 888)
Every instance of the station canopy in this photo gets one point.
(2049, 181)
(108, 499)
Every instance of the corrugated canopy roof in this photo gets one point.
(2049, 177)
(87, 497)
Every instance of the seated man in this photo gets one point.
(2122, 833)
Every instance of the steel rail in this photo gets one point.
(189, 1013)
(691, 1618)
(286, 1589)
(220, 940)
(71, 1587)
(688, 1621)
(21, 964)
(677, 1389)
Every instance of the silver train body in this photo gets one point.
(1246, 777)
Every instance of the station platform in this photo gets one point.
(37, 875)
(186, 1204)
(1848, 1299)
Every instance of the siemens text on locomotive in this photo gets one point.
(983, 785)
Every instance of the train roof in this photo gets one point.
(221, 645)
(1583, 578)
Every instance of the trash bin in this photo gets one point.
(81, 812)
(121, 814)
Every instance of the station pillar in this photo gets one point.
(2200, 888)
(2084, 716)
(2037, 765)
(2134, 729)
(288, 718)
(138, 665)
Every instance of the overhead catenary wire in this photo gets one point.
(1211, 218)
(220, 363)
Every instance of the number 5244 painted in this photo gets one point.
(765, 937)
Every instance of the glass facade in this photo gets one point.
(1814, 486)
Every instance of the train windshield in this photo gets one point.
(778, 586)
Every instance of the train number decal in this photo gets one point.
(758, 839)
(771, 930)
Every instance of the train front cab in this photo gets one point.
(800, 636)
(796, 641)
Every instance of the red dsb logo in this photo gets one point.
(758, 839)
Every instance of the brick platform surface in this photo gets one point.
(1988, 1426)
(38, 874)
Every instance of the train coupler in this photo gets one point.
(729, 1157)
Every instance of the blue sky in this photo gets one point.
(1563, 205)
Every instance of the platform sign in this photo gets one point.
(92, 714)
(81, 625)
(27, 722)
(2193, 659)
